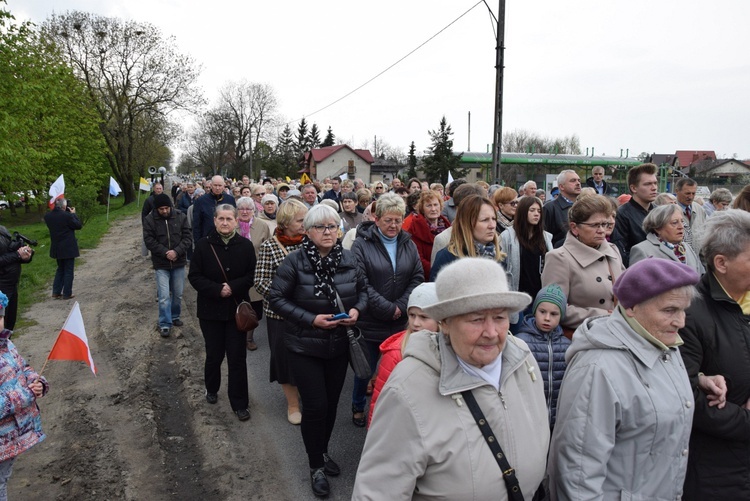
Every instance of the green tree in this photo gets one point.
(329, 140)
(47, 126)
(314, 136)
(285, 153)
(133, 75)
(441, 160)
(302, 139)
(411, 161)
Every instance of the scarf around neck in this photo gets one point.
(287, 241)
(325, 269)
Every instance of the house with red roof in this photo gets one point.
(687, 158)
(339, 160)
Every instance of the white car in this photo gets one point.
(4, 205)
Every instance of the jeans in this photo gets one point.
(359, 392)
(63, 283)
(169, 281)
(319, 381)
(6, 468)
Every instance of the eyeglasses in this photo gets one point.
(512, 203)
(392, 222)
(258, 194)
(321, 228)
(378, 187)
(599, 226)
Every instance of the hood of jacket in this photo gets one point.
(433, 350)
(612, 333)
(393, 342)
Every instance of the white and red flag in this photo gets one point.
(72, 343)
(57, 190)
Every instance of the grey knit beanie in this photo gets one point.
(422, 296)
(554, 294)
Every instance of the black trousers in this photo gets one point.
(222, 338)
(11, 311)
(319, 381)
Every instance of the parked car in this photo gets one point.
(4, 205)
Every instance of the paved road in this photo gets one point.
(268, 410)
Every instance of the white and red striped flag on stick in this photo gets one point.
(72, 343)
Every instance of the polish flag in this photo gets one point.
(72, 343)
(57, 190)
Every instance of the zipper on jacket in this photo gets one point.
(169, 241)
(549, 376)
(502, 399)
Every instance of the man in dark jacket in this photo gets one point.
(63, 223)
(148, 205)
(393, 269)
(12, 255)
(597, 181)
(203, 208)
(168, 236)
(556, 212)
(335, 192)
(644, 186)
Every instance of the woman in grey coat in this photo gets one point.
(664, 239)
(626, 404)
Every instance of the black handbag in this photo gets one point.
(357, 348)
(509, 474)
(244, 316)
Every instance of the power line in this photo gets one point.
(389, 67)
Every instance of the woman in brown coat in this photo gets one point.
(586, 265)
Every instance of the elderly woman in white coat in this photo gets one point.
(625, 408)
(586, 266)
(665, 232)
(424, 441)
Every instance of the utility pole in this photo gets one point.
(499, 68)
(468, 145)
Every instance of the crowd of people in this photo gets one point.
(576, 347)
(586, 346)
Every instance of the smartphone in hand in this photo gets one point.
(340, 316)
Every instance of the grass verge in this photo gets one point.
(36, 276)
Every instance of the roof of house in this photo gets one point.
(710, 166)
(320, 154)
(688, 157)
(662, 159)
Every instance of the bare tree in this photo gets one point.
(211, 143)
(133, 75)
(251, 114)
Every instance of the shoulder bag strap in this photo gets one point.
(221, 267)
(281, 246)
(509, 474)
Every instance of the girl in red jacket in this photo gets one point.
(392, 349)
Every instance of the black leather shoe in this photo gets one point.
(212, 398)
(243, 414)
(177, 323)
(319, 482)
(361, 421)
(331, 468)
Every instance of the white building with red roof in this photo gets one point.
(339, 160)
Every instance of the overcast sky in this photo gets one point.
(643, 75)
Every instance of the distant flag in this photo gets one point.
(72, 343)
(144, 185)
(450, 177)
(288, 179)
(57, 190)
(305, 179)
(114, 188)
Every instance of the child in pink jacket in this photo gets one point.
(392, 349)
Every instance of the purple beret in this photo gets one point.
(650, 277)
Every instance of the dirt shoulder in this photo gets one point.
(140, 429)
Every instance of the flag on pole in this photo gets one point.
(57, 190)
(144, 185)
(450, 177)
(288, 179)
(114, 188)
(305, 179)
(72, 343)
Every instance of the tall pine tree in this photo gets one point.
(411, 161)
(302, 139)
(329, 140)
(314, 136)
(441, 159)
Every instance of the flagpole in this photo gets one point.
(57, 339)
(109, 197)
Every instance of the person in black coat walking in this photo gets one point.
(204, 207)
(304, 292)
(63, 223)
(222, 272)
(393, 269)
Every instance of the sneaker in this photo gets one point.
(211, 398)
(331, 468)
(165, 331)
(319, 482)
(243, 414)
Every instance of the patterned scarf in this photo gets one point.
(325, 269)
(679, 250)
(287, 241)
(438, 227)
(245, 227)
(487, 251)
(503, 220)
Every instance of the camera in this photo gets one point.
(19, 241)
